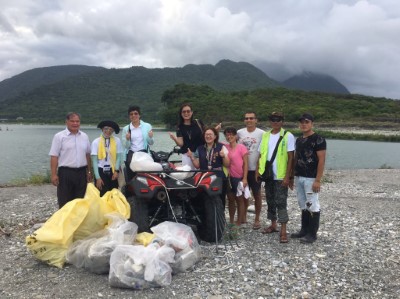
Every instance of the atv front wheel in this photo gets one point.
(213, 219)
(139, 213)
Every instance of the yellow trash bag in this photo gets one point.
(74, 221)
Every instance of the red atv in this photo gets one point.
(166, 196)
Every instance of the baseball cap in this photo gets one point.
(306, 116)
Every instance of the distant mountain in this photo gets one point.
(34, 78)
(309, 81)
(99, 93)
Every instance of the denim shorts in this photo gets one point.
(307, 199)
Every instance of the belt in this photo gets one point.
(74, 169)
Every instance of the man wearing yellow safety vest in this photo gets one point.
(277, 145)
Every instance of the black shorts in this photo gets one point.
(234, 182)
(251, 180)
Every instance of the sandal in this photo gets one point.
(283, 239)
(269, 230)
(256, 225)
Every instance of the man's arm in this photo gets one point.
(316, 187)
(286, 179)
(89, 176)
(53, 169)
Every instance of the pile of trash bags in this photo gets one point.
(93, 233)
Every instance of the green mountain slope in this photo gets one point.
(29, 80)
(216, 106)
(107, 93)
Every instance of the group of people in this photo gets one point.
(72, 157)
(242, 162)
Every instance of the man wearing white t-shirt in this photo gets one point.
(276, 187)
(250, 137)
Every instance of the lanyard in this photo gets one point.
(209, 156)
(107, 145)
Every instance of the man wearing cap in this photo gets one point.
(309, 163)
(70, 161)
(106, 156)
(276, 188)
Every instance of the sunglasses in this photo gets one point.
(249, 118)
(275, 120)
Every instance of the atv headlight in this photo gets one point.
(213, 178)
(142, 180)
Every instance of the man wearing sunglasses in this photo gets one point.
(276, 188)
(250, 137)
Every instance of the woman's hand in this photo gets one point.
(99, 184)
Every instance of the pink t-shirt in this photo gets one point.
(236, 157)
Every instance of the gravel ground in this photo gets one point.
(357, 254)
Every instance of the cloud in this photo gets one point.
(354, 41)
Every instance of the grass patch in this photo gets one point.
(385, 166)
(352, 136)
(34, 179)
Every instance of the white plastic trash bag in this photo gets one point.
(142, 161)
(93, 253)
(139, 267)
(182, 239)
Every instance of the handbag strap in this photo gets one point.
(276, 148)
(200, 126)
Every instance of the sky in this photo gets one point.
(357, 42)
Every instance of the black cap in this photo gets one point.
(109, 123)
(306, 116)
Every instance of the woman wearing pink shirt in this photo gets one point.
(238, 156)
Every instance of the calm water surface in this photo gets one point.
(24, 150)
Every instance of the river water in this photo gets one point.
(24, 150)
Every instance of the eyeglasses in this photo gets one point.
(249, 118)
(186, 111)
(276, 120)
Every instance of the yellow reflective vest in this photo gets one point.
(281, 156)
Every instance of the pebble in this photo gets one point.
(355, 256)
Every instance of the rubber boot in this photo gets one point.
(313, 227)
(283, 235)
(305, 218)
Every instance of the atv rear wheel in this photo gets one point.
(213, 219)
(139, 213)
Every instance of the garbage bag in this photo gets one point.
(74, 221)
(182, 175)
(139, 267)
(144, 238)
(93, 253)
(182, 239)
(142, 161)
